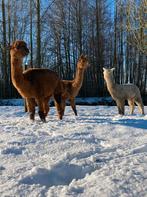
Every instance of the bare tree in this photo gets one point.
(38, 27)
(4, 53)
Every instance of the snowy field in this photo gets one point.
(97, 154)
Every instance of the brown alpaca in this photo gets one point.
(122, 92)
(36, 85)
(71, 88)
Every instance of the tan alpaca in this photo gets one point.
(123, 92)
(36, 85)
(71, 88)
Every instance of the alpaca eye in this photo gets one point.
(18, 47)
(23, 46)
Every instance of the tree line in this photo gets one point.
(110, 33)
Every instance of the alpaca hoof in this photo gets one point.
(75, 112)
(42, 116)
(43, 120)
(60, 116)
(121, 114)
(32, 116)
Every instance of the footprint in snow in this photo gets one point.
(141, 149)
(60, 174)
(13, 151)
(2, 168)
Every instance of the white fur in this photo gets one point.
(122, 92)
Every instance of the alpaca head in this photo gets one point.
(83, 62)
(19, 49)
(108, 72)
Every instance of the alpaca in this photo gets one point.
(122, 92)
(71, 88)
(36, 85)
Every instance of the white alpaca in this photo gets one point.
(122, 92)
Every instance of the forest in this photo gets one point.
(111, 34)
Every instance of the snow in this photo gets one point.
(96, 154)
(79, 101)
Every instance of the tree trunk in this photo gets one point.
(31, 36)
(38, 58)
(4, 53)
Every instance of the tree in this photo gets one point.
(31, 34)
(38, 27)
(4, 53)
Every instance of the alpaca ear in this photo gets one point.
(104, 69)
(112, 69)
(82, 56)
(12, 45)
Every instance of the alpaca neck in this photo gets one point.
(78, 78)
(16, 70)
(110, 83)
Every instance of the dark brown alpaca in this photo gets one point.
(36, 85)
(71, 88)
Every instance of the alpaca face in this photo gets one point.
(19, 49)
(107, 72)
(83, 62)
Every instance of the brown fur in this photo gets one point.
(71, 88)
(122, 92)
(36, 85)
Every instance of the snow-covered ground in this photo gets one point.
(96, 154)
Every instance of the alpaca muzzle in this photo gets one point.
(26, 51)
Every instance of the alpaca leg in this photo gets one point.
(131, 104)
(30, 102)
(139, 102)
(46, 106)
(63, 105)
(73, 106)
(41, 109)
(121, 106)
(25, 105)
(59, 103)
